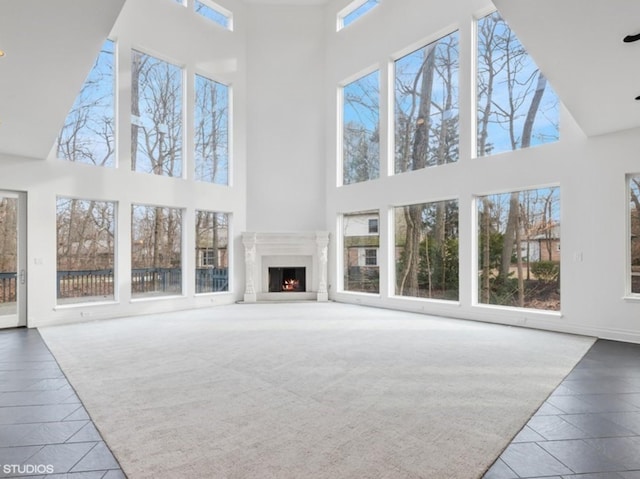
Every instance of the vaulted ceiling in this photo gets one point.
(578, 46)
(49, 48)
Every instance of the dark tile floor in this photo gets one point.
(589, 428)
(43, 425)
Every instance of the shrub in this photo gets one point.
(546, 271)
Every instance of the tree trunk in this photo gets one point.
(514, 206)
(509, 236)
(519, 264)
(413, 214)
(409, 275)
(486, 256)
(136, 66)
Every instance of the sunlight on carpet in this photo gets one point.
(309, 390)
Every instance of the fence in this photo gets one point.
(156, 280)
(364, 279)
(8, 282)
(210, 280)
(77, 284)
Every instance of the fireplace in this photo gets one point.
(291, 280)
(285, 266)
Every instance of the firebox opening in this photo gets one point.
(287, 280)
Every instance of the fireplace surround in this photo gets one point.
(285, 251)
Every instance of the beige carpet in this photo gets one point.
(306, 390)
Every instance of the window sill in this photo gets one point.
(85, 304)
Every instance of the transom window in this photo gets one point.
(354, 11)
(215, 13)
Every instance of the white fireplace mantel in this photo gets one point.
(303, 249)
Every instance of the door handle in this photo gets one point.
(23, 276)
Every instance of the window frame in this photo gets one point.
(629, 293)
(135, 297)
(209, 249)
(114, 100)
(227, 14)
(343, 251)
(185, 109)
(475, 65)
(114, 299)
(340, 131)
(371, 254)
(229, 130)
(352, 8)
(475, 241)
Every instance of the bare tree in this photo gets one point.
(88, 133)
(156, 106)
(426, 135)
(8, 234)
(211, 131)
(504, 64)
(361, 133)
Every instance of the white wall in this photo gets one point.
(590, 173)
(174, 33)
(286, 139)
(284, 64)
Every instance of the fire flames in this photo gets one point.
(290, 285)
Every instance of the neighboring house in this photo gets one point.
(544, 246)
(361, 239)
(88, 254)
(212, 257)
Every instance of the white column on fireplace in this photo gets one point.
(300, 249)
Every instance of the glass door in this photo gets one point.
(13, 275)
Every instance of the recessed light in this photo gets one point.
(631, 38)
(1, 53)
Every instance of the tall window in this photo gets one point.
(156, 116)
(8, 254)
(426, 252)
(156, 251)
(355, 10)
(215, 13)
(519, 249)
(85, 250)
(361, 271)
(516, 106)
(426, 106)
(634, 223)
(88, 132)
(212, 252)
(361, 129)
(211, 131)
